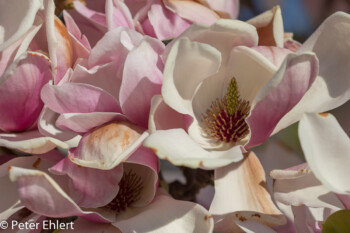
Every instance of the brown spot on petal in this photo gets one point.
(200, 164)
(9, 168)
(242, 219)
(78, 166)
(36, 163)
(154, 150)
(324, 114)
(205, 218)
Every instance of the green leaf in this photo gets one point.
(339, 222)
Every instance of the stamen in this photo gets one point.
(130, 187)
(225, 118)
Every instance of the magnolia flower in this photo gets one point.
(161, 19)
(28, 31)
(123, 198)
(106, 98)
(224, 93)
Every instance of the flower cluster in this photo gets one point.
(94, 94)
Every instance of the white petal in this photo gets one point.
(179, 148)
(180, 216)
(303, 188)
(327, 149)
(241, 194)
(332, 87)
(188, 64)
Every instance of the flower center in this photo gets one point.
(130, 187)
(225, 118)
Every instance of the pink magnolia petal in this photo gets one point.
(163, 117)
(270, 27)
(32, 142)
(20, 92)
(192, 11)
(241, 194)
(275, 55)
(42, 195)
(64, 50)
(78, 98)
(118, 15)
(80, 44)
(165, 23)
(180, 215)
(141, 84)
(180, 149)
(330, 88)
(109, 145)
(90, 187)
(287, 87)
(84, 122)
(107, 76)
(47, 126)
(225, 8)
(114, 46)
(10, 204)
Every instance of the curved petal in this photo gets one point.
(107, 146)
(146, 164)
(241, 194)
(331, 87)
(165, 23)
(47, 126)
(84, 122)
(106, 77)
(90, 187)
(299, 186)
(224, 35)
(163, 117)
(192, 11)
(32, 142)
(78, 98)
(118, 15)
(9, 203)
(270, 27)
(80, 44)
(114, 46)
(188, 64)
(20, 88)
(12, 26)
(326, 147)
(180, 215)
(225, 8)
(42, 195)
(179, 148)
(282, 93)
(141, 84)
